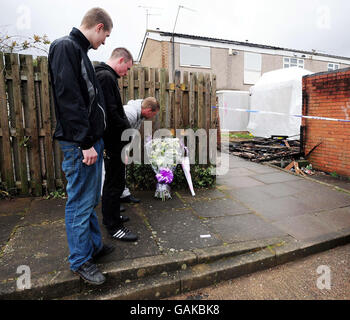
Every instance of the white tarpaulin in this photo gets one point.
(277, 91)
(231, 120)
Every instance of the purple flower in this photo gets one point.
(165, 175)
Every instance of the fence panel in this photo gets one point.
(6, 159)
(31, 121)
(29, 158)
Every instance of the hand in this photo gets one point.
(90, 156)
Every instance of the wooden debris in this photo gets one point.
(286, 143)
(290, 166)
(266, 149)
(295, 165)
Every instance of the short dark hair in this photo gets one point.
(95, 16)
(122, 52)
(152, 103)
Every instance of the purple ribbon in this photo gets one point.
(165, 175)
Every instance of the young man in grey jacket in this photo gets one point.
(136, 111)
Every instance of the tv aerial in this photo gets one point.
(148, 14)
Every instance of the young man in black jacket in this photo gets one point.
(108, 74)
(81, 121)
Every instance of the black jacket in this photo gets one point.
(79, 103)
(117, 121)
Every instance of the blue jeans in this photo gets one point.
(83, 189)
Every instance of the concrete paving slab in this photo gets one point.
(16, 205)
(323, 199)
(282, 208)
(304, 185)
(43, 248)
(304, 227)
(276, 177)
(259, 168)
(238, 183)
(42, 210)
(236, 162)
(264, 193)
(180, 230)
(243, 228)
(250, 196)
(239, 172)
(279, 190)
(7, 225)
(201, 194)
(150, 203)
(339, 218)
(219, 208)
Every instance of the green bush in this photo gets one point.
(142, 177)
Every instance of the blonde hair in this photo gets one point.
(95, 16)
(152, 103)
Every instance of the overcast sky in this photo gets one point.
(322, 25)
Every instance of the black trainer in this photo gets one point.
(106, 250)
(130, 199)
(123, 234)
(124, 219)
(90, 273)
(122, 208)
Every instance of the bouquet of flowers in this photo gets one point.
(164, 155)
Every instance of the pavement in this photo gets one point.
(256, 217)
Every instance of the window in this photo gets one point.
(252, 67)
(333, 66)
(293, 62)
(194, 56)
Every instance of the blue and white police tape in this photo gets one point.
(283, 114)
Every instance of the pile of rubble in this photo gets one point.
(266, 149)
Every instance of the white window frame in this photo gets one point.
(252, 69)
(333, 66)
(194, 63)
(289, 62)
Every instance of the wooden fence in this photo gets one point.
(30, 160)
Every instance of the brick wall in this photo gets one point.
(327, 94)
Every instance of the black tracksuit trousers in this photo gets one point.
(113, 188)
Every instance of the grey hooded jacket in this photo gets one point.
(133, 113)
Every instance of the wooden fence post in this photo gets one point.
(30, 114)
(185, 101)
(19, 145)
(177, 110)
(131, 85)
(213, 108)
(142, 84)
(192, 100)
(207, 110)
(200, 106)
(162, 98)
(45, 105)
(6, 167)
